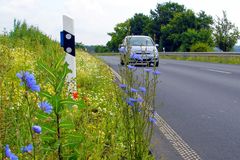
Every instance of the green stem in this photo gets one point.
(59, 138)
(29, 118)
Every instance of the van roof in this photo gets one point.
(137, 36)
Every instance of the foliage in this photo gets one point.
(171, 25)
(80, 45)
(200, 47)
(138, 107)
(139, 24)
(30, 50)
(39, 119)
(226, 33)
(161, 16)
(192, 37)
(101, 49)
(120, 31)
(184, 30)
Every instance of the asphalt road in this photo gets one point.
(201, 102)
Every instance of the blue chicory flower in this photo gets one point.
(152, 120)
(37, 129)
(8, 151)
(133, 90)
(27, 148)
(132, 99)
(147, 69)
(139, 100)
(9, 154)
(142, 89)
(123, 86)
(130, 103)
(156, 72)
(45, 106)
(29, 80)
(13, 157)
(131, 67)
(136, 56)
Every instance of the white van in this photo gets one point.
(139, 49)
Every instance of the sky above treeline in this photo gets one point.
(93, 19)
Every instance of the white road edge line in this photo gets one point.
(219, 71)
(185, 151)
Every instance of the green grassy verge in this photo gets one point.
(88, 126)
(211, 59)
(106, 54)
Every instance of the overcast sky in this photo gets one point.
(95, 18)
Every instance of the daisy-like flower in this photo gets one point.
(45, 106)
(142, 89)
(133, 90)
(28, 79)
(139, 100)
(131, 67)
(136, 56)
(152, 120)
(27, 148)
(37, 129)
(132, 99)
(9, 153)
(148, 70)
(123, 86)
(156, 72)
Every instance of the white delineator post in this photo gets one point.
(68, 43)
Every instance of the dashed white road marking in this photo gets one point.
(219, 71)
(185, 151)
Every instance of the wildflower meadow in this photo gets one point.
(39, 119)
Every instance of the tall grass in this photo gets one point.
(89, 124)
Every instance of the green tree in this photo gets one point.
(204, 21)
(101, 49)
(120, 31)
(173, 31)
(161, 16)
(192, 37)
(171, 25)
(225, 33)
(80, 45)
(185, 29)
(200, 47)
(138, 24)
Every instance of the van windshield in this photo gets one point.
(139, 41)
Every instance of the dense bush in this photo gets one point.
(200, 47)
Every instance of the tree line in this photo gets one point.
(176, 28)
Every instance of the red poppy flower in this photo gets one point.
(75, 95)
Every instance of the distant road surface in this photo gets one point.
(201, 102)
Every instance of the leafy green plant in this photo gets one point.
(39, 119)
(137, 101)
(200, 47)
